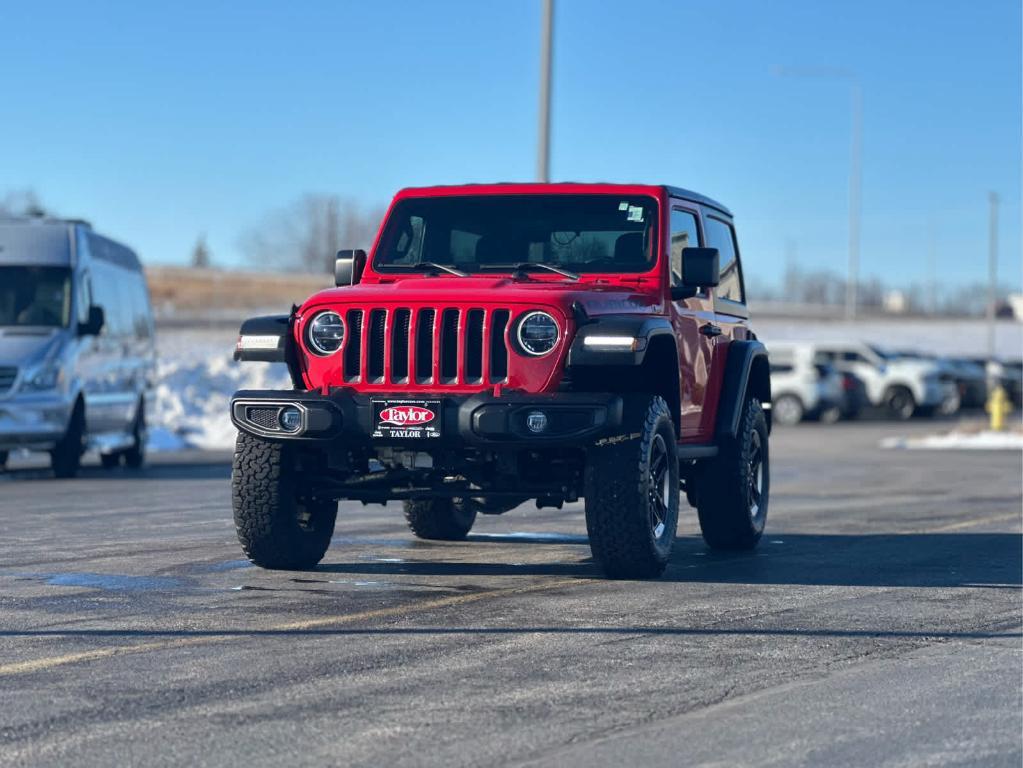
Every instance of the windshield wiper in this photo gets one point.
(527, 266)
(441, 268)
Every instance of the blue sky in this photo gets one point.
(162, 121)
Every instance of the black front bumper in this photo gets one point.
(480, 420)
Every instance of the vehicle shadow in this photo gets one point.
(992, 560)
(215, 468)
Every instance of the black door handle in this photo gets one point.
(710, 330)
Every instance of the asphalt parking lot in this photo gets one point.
(878, 624)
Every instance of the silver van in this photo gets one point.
(77, 351)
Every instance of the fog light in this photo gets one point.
(290, 419)
(536, 421)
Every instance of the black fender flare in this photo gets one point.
(746, 370)
(642, 328)
(255, 343)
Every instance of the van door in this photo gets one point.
(87, 361)
(110, 400)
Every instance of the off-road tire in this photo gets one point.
(276, 528)
(728, 520)
(621, 482)
(66, 455)
(440, 519)
(135, 456)
(900, 403)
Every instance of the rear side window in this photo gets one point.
(684, 234)
(720, 235)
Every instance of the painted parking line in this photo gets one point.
(50, 662)
(1015, 516)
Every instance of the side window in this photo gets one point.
(721, 236)
(84, 297)
(109, 294)
(684, 234)
(140, 307)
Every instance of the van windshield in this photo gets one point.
(37, 296)
(575, 233)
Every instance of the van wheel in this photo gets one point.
(135, 456)
(787, 410)
(900, 403)
(66, 455)
(632, 493)
(735, 487)
(277, 529)
(440, 519)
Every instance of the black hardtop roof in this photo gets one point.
(684, 194)
(696, 197)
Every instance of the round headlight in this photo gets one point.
(326, 332)
(538, 333)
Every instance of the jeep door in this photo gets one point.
(688, 317)
(729, 299)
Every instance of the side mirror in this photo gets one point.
(348, 267)
(700, 269)
(92, 327)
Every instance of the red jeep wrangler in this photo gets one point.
(510, 342)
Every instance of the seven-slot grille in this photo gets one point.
(7, 377)
(444, 345)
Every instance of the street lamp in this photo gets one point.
(855, 168)
(543, 158)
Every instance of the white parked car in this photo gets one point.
(801, 387)
(903, 387)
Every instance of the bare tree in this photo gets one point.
(307, 234)
(21, 202)
(201, 253)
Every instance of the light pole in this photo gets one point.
(855, 176)
(992, 288)
(543, 157)
(855, 170)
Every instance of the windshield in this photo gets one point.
(35, 296)
(577, 233)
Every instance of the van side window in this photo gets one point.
(721, 236)
(84, 298)
(140, 307)
(684, 234)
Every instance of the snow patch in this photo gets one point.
(980, 441)
(197, 376)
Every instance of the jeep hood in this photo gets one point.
(596, 296)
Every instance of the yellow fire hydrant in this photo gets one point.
(998, 406)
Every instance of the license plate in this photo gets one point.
(406, 419)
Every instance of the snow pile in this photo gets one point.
(196, 377)
(981, 441)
